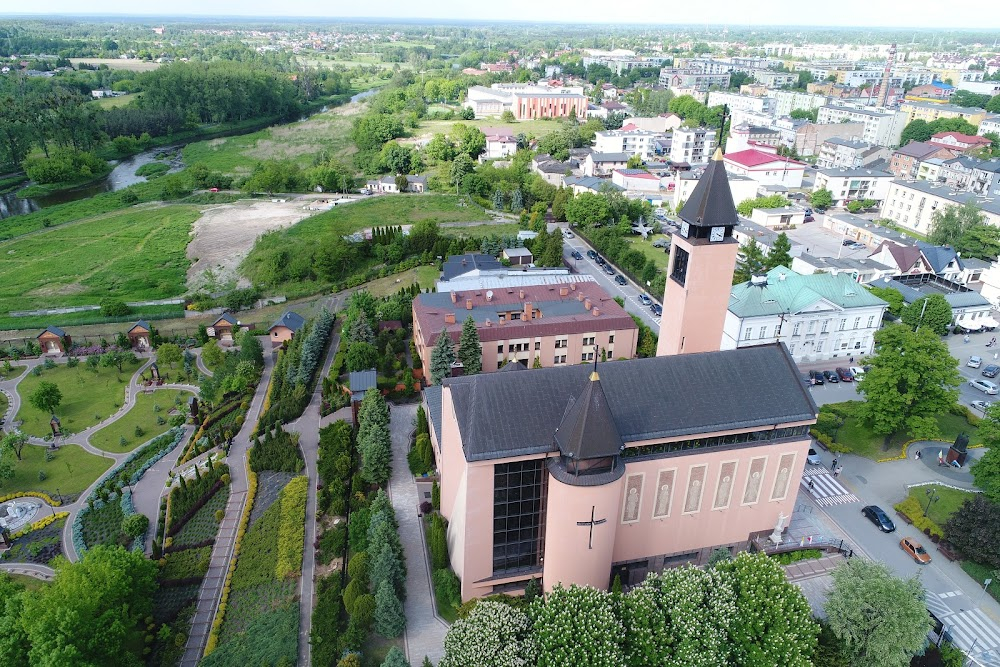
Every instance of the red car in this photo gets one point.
(845, 375)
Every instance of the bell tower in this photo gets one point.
(700, 272)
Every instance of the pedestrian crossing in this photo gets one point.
(974, 632)
(824, 487)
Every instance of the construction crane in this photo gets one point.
(883, 91)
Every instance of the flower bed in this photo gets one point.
(203, 525)
(292, 528)
(38, 525)
(39, 546)
(186, 564)
(31, 494)
(191, 495)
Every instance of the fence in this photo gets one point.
(764, 545)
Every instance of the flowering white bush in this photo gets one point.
(577, 627)
(493, 635)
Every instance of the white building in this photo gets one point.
(663, 123)
(785, 101)
(526, 100)
(692, 145)
(635, 180)
(602, 164)
(989, 124)
(766, 168)
(734, 101)
(628, 140)
(500, 146)
(862, 270)
(849, 153)
(911, 204)
(856, 184)
(681, 185)
(882, 127)
(819, 316)
(778, 218)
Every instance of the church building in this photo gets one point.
(575, 474)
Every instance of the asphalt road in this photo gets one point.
(630, 292)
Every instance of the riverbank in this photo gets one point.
(40, 191)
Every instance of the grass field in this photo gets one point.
(137, 253)
(949, 500)
(70, 471)
(141, 414)
(110, 102)
(87, 397)
(660, 258)
(300, 142)
(479, 231)
(863, 442)
(89, 317)
(29, 583)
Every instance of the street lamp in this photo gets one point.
(932, 497)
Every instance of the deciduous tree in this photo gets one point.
(821, 198)
(577, 626)
(986, 471)
(936, 316)
(46, 397)
(882, 619)
(972, 529)
(169, 354)
(912, 379)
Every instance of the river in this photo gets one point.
(122, 176)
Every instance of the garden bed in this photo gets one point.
(38, 546)
(203, 525)
(187, 563)
(103, 525)
(949, 501)
(269, 487)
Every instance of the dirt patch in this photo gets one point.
(224, 234)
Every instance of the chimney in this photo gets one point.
(596, 312)
(527, 311)
(586, 304)
(579, 297)
(489, 323)
(520, 294)
(449, 318)
(454, 297)
(572, 286)
(563, 291)
(468, 304)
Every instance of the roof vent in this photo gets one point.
(782, 277)
(759, 281)
(489, 295)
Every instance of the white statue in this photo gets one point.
(778, 528)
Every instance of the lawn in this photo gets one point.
(659, 257)
(980, 573)
(70, 471)
(863, 442)
(300, 142)
(87, 397)
(120, 101)
(29, 583)
(142, 414)
(949, 501)
(133, 254)
(86, 317)
(537, 128)
(479, 231)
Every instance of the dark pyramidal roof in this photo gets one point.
(711, 203)
(588, 429)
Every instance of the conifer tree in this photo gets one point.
(442, 357)
(389, 618)
(470, 352)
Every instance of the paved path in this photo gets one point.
(147, 493)
(200, 363)
(42, 572)
(222, 551)
(307, 426)
(425, 630)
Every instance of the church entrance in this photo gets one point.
(631, 574)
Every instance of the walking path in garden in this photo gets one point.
(425, 630)
(307, 426)
(222, 551)
(42, 572)
(147, 493)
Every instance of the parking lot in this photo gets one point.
(820, 242)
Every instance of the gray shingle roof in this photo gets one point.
(588, 429)
(711, 202)
(362, 381)
(141, 324)
(457, 265)
(291, 320)
(54, 330)
(512, 414)
(432, 399)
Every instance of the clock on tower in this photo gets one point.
(702, 260)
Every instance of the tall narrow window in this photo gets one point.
(518, 507)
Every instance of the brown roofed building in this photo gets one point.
(140, 335)
(53, 340)
(559, 324)
(906, 159)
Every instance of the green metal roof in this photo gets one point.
(790, 292)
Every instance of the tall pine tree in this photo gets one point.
(780, 253)
(751, 264)
(442, 357)
(470, 352)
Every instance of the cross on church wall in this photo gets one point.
(593, 522)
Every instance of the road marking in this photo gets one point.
(972, 626)
(824, 488)
(950, 594)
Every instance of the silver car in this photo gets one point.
(985, 386)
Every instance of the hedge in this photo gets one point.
(31, 494)
(911, 509)
(292, 528)
(41, 523)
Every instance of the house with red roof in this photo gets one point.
(636, 180)
(767, 168)
(957, 141)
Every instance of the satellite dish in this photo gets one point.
(489, 295)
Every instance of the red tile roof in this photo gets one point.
(963, 138)
(754, 158)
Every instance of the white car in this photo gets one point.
(975, 362)
(982, 406)
(812, 458)
(985, 386)
(858, 372)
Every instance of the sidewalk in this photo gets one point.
(425, 631)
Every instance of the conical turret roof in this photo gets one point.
(588, 429)
(711, 203)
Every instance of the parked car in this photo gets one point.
(985, 386)
(809, 211)
(808, 218)
(576, 255)
(812, 458)
(657, 309)
(857, 371)
(592, 254)
(817, 377)
(645, 300)
(982, 406)
(621, 280)
(975, 362)
(831, 377)
(991, 371)
(600, 260)
(847, 242)
(858, 246)
(568, 234)
(914, 550)
(845, 375)
(608, 269)
(661, 243)
(877, 515)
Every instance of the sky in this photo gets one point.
(971, 14)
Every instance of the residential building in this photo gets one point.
(989, 124)
(990, 88)
(864, 270)
(985, 180)
(225, 328)
(744, 136)
(931, 170)
(549, 169)
(905, 160)
(969, 309)
(742, 102)
(500, 145)
(692, 145)
(690, 78)
(904, 259)
(935, 92)
(766, 168)
(592, 184)
(911, 204)
(778, 218)
(858, 229)
(628, 140)
(883, 127)
(682, 184)
(856, 184)
(387, 184)
(786, 101)
(849, 154)
(665, 122)
(930, 111)
(819, 316)
(991, 283)
(748, 230)
(958, 75)
(957, 172)
(602, 164)
(806, 138)
(635, 180)
(557, 324)
(959, 142)
(285, 327)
